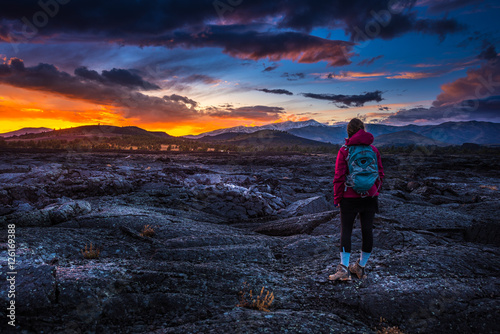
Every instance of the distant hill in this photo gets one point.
(326, 134)
(24, 131)
(282, 126)
(95, 131)
(405, 138)
(272, 138)
(458, 133)
(221, 137)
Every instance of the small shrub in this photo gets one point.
(385, 329)
(390, 330)
(485, 186)
(91, 252)
(260, 302)
(148, 231)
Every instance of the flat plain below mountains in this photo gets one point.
(226, 221)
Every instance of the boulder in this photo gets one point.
(50, 215)
(306, 206)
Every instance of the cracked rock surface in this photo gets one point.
(222, 221)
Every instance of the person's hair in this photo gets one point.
(354, 125)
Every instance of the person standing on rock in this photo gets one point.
(358, 177)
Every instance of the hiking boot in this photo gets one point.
(342, 274)
(357, 270)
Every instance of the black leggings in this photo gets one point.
(349, 208)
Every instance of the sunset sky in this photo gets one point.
(187, 67)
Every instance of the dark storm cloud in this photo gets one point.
(110, 18)
(241, 42)
(488, 52)
(84, 72)
(369, 61)
(180, 98)
(116, 76)
(127, 78)
(270, 68)
(88, 85)
(276, 91)
(437, 6)
(195, 23)
(440, 27)
(258, 113)
(206, 79)
(399, 24)
(293, 76)
(362, 19)
(346, 101)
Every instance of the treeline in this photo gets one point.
(140, 143)
(149, 143)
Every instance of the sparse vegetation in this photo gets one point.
(386, 329)
(260, 302)
(390, 330)
(485, 186)
(148, 231)
(91, 252)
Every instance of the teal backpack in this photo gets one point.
(363, 168)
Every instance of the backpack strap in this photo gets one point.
(378, 187)
(347, 164)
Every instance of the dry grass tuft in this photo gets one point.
(390, 330)
(91, 252)
(261, 302)
(485, 186)
(148, 231)
(385, 329)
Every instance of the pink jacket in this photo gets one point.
(359, 138)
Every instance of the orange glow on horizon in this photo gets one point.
(23, 108)
(201, 125)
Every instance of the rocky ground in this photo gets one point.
(226, 221)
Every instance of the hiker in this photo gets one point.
(358, 177)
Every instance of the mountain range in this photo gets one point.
(282, 126)
(262, 139)
(24, 131)
(405, 138)
(304, 133)
(449, 133)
